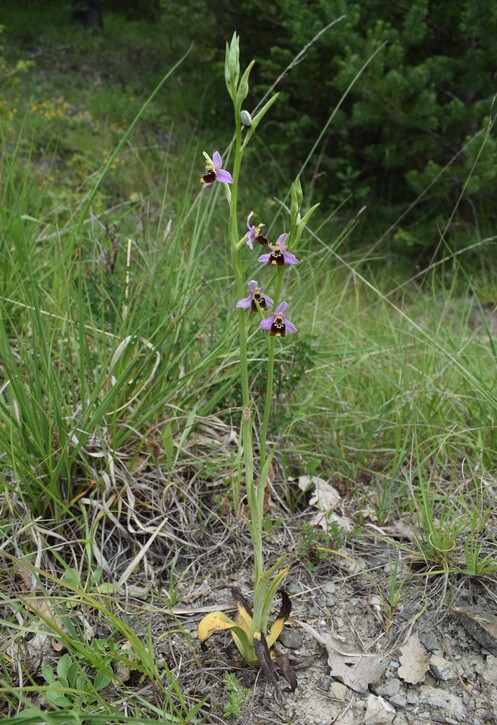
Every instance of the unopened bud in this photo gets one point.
(245, 118)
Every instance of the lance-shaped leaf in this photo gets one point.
(218, 622)
(266, 591)
(265, 661)
(283, 614)
(244, 616)
(243, 86)
(283, 663)
(257, 119)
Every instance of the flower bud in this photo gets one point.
(245, 118)
(232, 63)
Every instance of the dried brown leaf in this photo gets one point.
(325, 499)
(122, 668)
(348, 663)
(414, 661)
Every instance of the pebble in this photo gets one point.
(339, 690)
(490, 673)
(324, 683)
(291, 639)
(329, 587)
(429, 640)
(441, 668)
(391, 687)
(378, 711)
(401, 720)
(398, 700)
(451, 705)
(412, 697)
(293, 588)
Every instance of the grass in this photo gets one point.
(120, 398)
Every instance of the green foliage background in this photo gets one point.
(414, 122)
(408, 136)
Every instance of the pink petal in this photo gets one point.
(266, 324)
(290, 258)
(246, 302)
(252, 285)
(282, 307)
(217, 160)
(281, 239)
(264, 258)
(269, 301)
(290, 327)
(249, 218)
(224, 176)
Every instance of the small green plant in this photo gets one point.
(237, 695)
(69, 685)
(315, 543)
(392, 597)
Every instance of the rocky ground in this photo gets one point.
(431, 659)
(376, 635)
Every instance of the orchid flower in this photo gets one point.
(254, 233)
(279, 324)
(256, 299)
(278, 254)
(214, 172)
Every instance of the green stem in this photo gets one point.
(246, 425)
(268, 401)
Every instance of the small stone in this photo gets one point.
(339, 691)
(291, 639)
(329, 587)
(451, 705)
(429, 641)
(489, 674)
(412, 697)
(398, 700)
(401, 720)
(441, 668)
(378, 711)
(324, 683)
(293, 588)
(391, 687)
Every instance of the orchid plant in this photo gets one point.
(250, 625)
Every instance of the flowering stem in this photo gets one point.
(268, 399)
(268, 402)
(246, 424)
